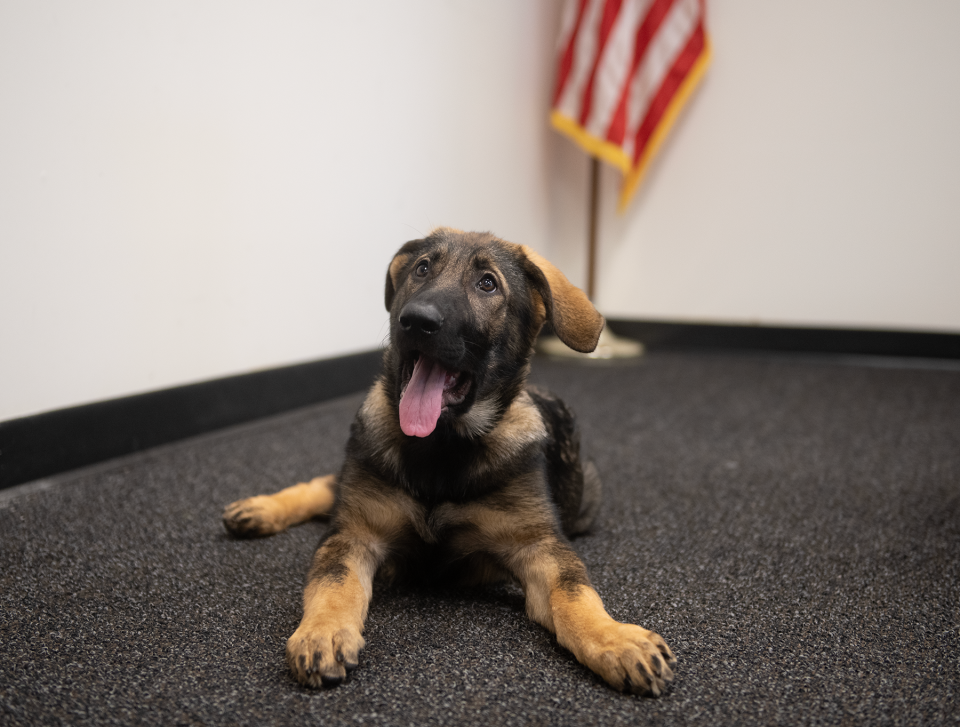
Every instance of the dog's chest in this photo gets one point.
(435, 475)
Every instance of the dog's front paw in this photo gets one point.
(321, 655)
(254, 517)
(629, 658)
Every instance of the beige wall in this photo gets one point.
(192, 189)
(196, 188)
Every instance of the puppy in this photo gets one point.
(455, 469)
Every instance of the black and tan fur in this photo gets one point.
(494, 491)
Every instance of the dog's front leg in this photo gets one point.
(326, 645)
(269, 514)
(560, 597)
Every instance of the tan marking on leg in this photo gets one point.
(537, 580)
(558, 595)
(327, 643)
(269, 514)
(628, 657)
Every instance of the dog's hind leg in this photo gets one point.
(589, 500)
(269, 514)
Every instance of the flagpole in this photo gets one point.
(610, 345)
(592, 229)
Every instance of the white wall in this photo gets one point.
(196, 188)
(814, 179)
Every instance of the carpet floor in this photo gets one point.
(791, 526)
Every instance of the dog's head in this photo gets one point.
(465, 311)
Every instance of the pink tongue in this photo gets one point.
(423, 398)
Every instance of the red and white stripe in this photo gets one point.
(625, 69)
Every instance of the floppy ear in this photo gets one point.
(575, 321)
(399, 262)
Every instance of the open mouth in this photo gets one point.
(427, 389)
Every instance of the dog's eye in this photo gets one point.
(422, 268)
(487, 283)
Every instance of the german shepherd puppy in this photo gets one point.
(454, 468)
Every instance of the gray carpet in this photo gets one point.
(790, 526)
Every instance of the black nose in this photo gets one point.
(421, 317)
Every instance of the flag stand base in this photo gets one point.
(609, 346)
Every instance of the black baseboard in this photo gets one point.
(662, 335)
(45, 444)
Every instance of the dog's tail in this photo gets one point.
(269, 514)
(589, 500)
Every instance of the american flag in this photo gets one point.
(625, 69)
